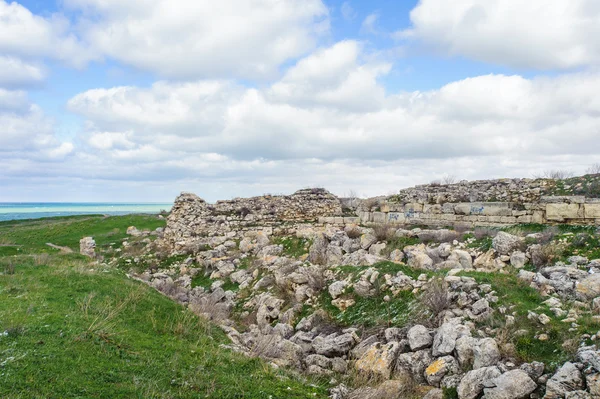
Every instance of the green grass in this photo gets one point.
(67, 231)
(293, 246)
(77, 333)
(521, 298)
(73, 329)
(372, 311)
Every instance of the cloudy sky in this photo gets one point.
(112, 100)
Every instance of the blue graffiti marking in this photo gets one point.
(475, 209)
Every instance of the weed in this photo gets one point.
(383, 232)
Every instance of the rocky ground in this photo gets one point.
(389, 312)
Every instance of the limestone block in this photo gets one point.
(385, 208)
(591, 211)
(525, 219)
(379, 217)
(495, 209)
(508, 219)
(413, 207)
(365, 217)
(352, 220)
(395, 217)
(462, 209)
(538, 217)
(451, 218)
(432, 209)
(560, 212)
(338, 220)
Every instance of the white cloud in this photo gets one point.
(26, 130)
(17, 73)
(368, 25)
(28, 35)
(540, 34)
(182, 39)
(318, 114)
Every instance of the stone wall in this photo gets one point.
(482, 203)
(192, 218)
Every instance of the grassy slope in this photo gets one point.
(69, 329)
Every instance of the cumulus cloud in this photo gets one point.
(329, 116)
(25, 34)
(17, 73)
(184, 40)
(537, 34)
(26, 131)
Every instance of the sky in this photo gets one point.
(139, 100)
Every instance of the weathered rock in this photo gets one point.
(420, 260)
(435, 393)
(518, 259)
(419, 338)
(337, 288)
(505, 243)
(567, 379)
(378, 360)
(444, 340)
(534, 369)
(589, 288)
(440, 368)
(396, 256)
(415, 363)
(317, 253)
(486, 353)
(87, 247)
(465, 351)
(334, 345)
(473, 383)
(462, 257)
(514, 384)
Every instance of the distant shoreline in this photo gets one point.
(20, 211)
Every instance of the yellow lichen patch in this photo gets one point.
(434, 367)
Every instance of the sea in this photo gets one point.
(36, 210)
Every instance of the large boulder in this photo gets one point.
(334, 345)
(514, 384)
(445, 340)
(505, 243)
(419, 338)
(589, 287)
(414, 363)
(461, 257)
(440, 368)
(567, 379)
(378, 360)
(472, 384)
(486, 353)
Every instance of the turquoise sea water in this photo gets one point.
(31, 210)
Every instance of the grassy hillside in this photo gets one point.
(71, 329)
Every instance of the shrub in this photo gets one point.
(593, 169)
(556, 174)
(449, 179)
(354, 232)
(432, 302)
(370, 203)
(383, 232)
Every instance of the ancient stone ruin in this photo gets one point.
(346, 288)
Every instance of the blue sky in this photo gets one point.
(137, 101)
